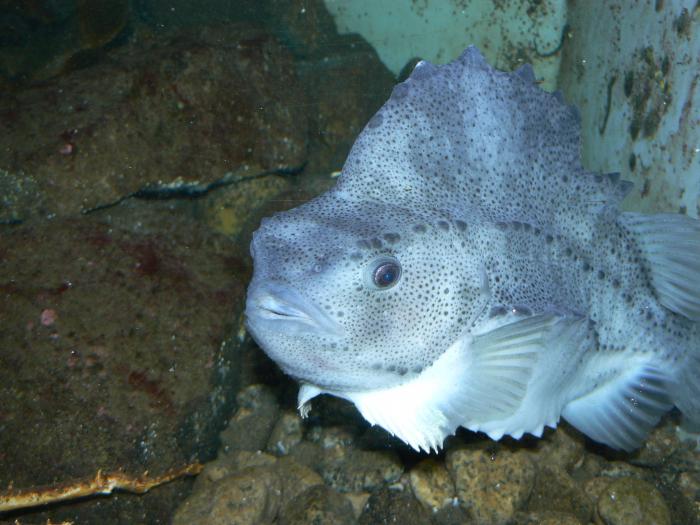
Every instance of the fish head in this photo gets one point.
(354, 296)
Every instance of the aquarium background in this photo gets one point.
(140, 144)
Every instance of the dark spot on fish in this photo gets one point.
(601, 274)
(497, 311)
(519, 309)
(376, 121)
(419, 228)
(392, 238)
(461, 225)
(443, 225)
(400, 91)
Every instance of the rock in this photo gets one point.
(318, 504)
(563, 448)
(354, 470)
(621, 469)
(393, 506)
(97, 367)
(631, 501)
(432, 485)
(296, 478)
(689, 483)
(451, 515)
(546, 518)
(358, 501)
(248, 497)
(660, 445)
(227, 464)
(555, 490)
(286, 434)
(309, 454)
(333, 436)
(492, 486)
(594, 487)
(250, 427)
(176, 113)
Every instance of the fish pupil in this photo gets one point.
(386, 274)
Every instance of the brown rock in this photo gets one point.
(630, 501)
(250, 426)
(431, 484)
(394, 506)
(286, 433)
(296, 478)
(659, 446)
(354, 470)
(112, 351)
(318, 504)
(248, 497)
(546, 518)
(563, 448)
(492, 486)
(555, 490)
(176, 113)
(228, 464)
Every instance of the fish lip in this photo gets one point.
(282, 309)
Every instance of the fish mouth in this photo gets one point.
(276, 308)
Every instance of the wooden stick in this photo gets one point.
(102, 483)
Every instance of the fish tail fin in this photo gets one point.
(685, 387)
(670, 244)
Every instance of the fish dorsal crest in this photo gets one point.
(465, 136)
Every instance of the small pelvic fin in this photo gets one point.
(671, 244)
(621, 413)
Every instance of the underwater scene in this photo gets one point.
(350, 262)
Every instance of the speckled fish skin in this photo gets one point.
(466, 270)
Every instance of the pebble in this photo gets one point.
(556, 490)
(493, 486)
(286, 434)
(318, 505)
(631, 501)
(251, 425)
(546, 518)
(248, 497)
(564, 447)
(353, 470)
(431, 484)
(394, 506)
(661, 444)
(225, 465)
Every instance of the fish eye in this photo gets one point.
(385, 272)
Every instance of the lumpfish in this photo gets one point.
(466, 270)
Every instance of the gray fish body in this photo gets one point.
(467, 271)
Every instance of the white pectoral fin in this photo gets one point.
(479, 378)
(621, 412)
(502, 361)
(509, 400)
